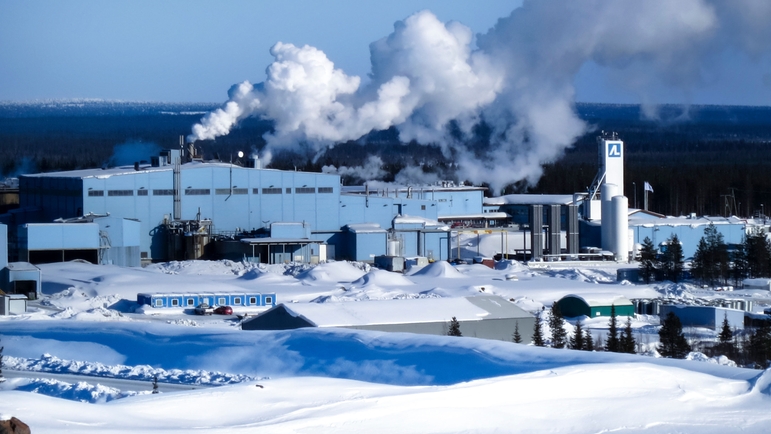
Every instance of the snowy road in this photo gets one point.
(116, 383)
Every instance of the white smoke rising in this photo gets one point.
(372, 169)
(517, 78)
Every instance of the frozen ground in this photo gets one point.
(87, 327)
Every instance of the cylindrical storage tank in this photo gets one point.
(750, 306)
(606, 218)
(393, 248)
(620, 228)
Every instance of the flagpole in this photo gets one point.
(646, 199)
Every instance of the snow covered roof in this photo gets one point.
(365, 228)
(599, 299)
(270, 240)
(530, 199)
(686, 221)
(401, 311)
(417, 220)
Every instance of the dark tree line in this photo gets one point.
(667, 265)
(713, 263)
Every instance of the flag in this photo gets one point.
(648, 187)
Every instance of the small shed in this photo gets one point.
(13, 304)
(761, 284)
(365, 241)
(484, 316)
(21, 278)
(705, 316)
(594, 305)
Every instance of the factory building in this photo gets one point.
(173, 210)
(181, 207)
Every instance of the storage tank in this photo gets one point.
(606, 229)
(620, 228)
(394, 248)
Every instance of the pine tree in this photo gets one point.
(672, 343)
(577, 340)
(537, 332)
(454, 328)
(588, 341)
(673, 259)
(648, 261)
(628, 343)
(726, 344)
(516, 337)
(155, 384)
(612, 344)
(557, 324)
(760, 345)
(2, 378)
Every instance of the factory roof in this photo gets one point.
(686, 221)
(145, 168)
(270, 240)
(364, 228)
(418, 310)
(530, 199)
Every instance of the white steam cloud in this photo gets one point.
(517, 78)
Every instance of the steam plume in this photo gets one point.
(518, 78)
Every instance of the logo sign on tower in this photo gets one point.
(614, 149)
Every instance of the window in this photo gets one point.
(141, 192)
(174, 302)
(158, 303)
(271, 190)
(96, 192)
(221, 301)
(268, 300)
(143, 255)
(197, 191)
(255, 191)
(165, 192)
(240, 191)
(288, 190)
(120, 192)
(222, 191)
(305, 190)
(252, 300)
(190, 302)
(326, 190)
(422, 207)
(237, 300)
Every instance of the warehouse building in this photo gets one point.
(484, 316)
(594, 305)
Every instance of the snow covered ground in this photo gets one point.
(88, 327)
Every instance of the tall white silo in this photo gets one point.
(620, 228)
(608, 191)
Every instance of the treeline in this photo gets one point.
(710, 162)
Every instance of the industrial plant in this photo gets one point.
(179, 206)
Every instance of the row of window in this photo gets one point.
(221, 301)
(217, 191)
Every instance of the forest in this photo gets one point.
(708, 160)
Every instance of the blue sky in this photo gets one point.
(195, 50)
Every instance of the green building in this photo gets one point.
(594, 305)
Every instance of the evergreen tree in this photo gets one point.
(454, 328)
(673, 259)
(672, 343)
(155, 384)
(516, 337)
(2, 378)
(537, 332)
(612, 344)
(648, 261)
(726, 345)
(711, 262)
(627, 343)
(559, 336)
(760, 345)
(588, 341)
(757, 253)
(577, 340)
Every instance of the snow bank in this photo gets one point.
(439, 269)
(381, 278)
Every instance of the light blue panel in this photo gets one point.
(3, 245)
(457, 202)
(436, 243)
(57, 236)
(290, 230)
(409, 243)
(688, 235)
